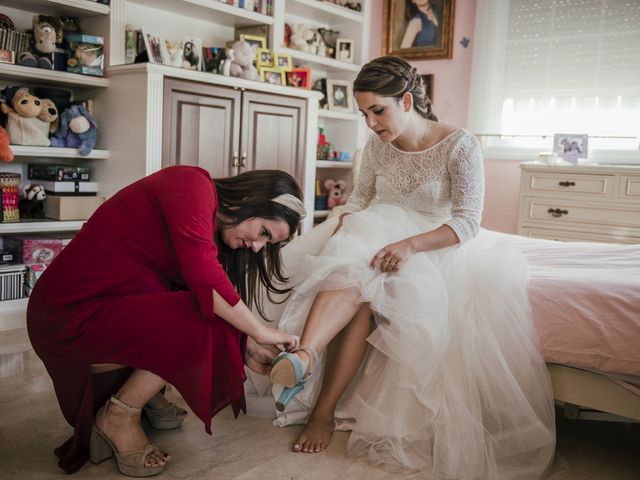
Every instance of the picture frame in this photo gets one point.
(427, 79)
(299, 77)
(407, 34)
(264, 58)
(255, 41)
(283, 61)
(271, 75)
(192, 53)
(252, 30)
(571, 146)
(154, 44)
(339, 95)
(7, 56)
(344, 50)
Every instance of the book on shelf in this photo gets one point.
(58, 173)
(70, 188)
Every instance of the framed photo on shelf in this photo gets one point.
(7, 56)
(339, 95)
(264, 58)
(154, 46)
(571, 146)
(261, 31)
(299, 77)
(274, 76)
(418, 32)
(344, 50)
(192, 53)
(283, 61)
(255, 41)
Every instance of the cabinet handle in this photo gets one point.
(235, 165)
(567, 184)
(556, 212)
(243, 160)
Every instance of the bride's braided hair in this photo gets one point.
(392, 77)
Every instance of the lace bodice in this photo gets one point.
(445, 181)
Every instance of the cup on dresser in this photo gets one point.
(550, 158)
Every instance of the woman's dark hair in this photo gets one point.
(393, 77)
(411, 9)
(247, 196)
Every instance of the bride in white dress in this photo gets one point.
(433, 360)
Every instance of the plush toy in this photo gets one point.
(23, 125)
(77, 129)
(336, 189)
(49, 114)
(31, 205)
(242, 56)
(306, 39)
(6, 154)
(46, 32)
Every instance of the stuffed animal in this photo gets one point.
(46, 32)
(6, 154)
(242, 55)
(77, 129)
(306, 39)
(23, 125)
(49, 114)
(31, 205)
(337, 195)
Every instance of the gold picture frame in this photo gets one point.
(414, 33)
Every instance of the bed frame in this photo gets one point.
(594, 391)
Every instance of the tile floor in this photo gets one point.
(248, 448)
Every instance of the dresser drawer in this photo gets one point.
(630, 188)
(576, 236)
(571, 184)
(559, 212)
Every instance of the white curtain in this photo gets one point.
(556, 66)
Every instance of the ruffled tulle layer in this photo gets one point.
(453, 383)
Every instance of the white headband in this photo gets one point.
(291, 202)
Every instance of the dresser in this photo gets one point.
(594, 203)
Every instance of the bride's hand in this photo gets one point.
(392, 257)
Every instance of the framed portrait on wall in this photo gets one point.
(418, 31)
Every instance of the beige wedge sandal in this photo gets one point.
(164, 418)
(130, 463)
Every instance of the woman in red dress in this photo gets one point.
(153, 290)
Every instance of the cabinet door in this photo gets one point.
(273, 133)
(201, 125)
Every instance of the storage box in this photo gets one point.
(12, 282)
(33, 249)
(71, 208)
(86, 54)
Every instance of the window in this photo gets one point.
(557, 66)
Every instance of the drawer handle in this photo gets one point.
(567, 184)
(556, 212)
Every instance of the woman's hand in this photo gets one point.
(393, 256)
(272, 336)
(259, 357)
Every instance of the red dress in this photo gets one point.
(134, 287)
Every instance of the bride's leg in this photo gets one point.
(344, 356)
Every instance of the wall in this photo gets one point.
(451, 101)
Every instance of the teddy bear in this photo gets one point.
(49, 114)
(242, 57)
(23, 124)
(306, 39)
(6, 154)
(77, 129)
(337, 195)
(31, 205)
(46, 31)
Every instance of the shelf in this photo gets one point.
(36, 226)
(38, 75)
(333, 164)
(211, 10)
(328, 13)
(321, 213)
(326, 63)
(75, 8)
(348, 116)
(55, 152)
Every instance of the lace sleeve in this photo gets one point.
(365, 187)
(466, 170)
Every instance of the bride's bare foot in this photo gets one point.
(316, 435)
(126, 433)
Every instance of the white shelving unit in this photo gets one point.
(94, 18)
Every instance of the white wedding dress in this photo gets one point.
(453, 383)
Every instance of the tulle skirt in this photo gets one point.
(453, 383)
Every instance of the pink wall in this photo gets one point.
(451, 102)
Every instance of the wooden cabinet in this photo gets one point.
(228, 131)
(597, 203)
